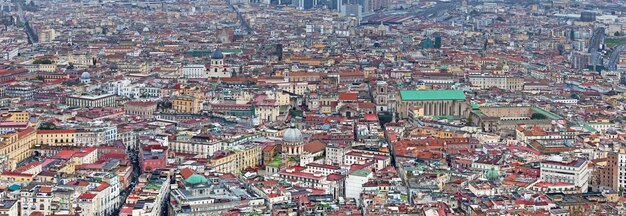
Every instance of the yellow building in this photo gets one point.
(56, 137)
(282, 99)
(134, 67)
(435, 132)
(298, 88)
(47, 35)
(416, 112)
(16, 177)
(187, 104)
(84, 59)
(312, 61)
(326, 103)
(68, 168)
(369, 72)
(501, 82)
(267, 113)
(47, 67)
(16, 146)
(15, 116)
(190, 91)
(236, 160)
(304, 76)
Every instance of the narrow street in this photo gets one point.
(133, 181)
(243, 21)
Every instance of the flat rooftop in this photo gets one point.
(427, 95)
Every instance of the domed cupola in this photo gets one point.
(293, 141)
(293, 135)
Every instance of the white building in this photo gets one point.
(9, 207)
(354, 182)
(10, 52)
(152, 206)
(194, 71)
(95, 134)
(36, 199)
(501, 82)
(486, 188)
(621, 169)
(335, 154)
(601, 126)
(197, 147)
(123, 88)
(126, 88)
(565, 101)
(574, 172)
(103, 198)
(354, 157)
(217, 68)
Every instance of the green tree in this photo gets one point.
(47, 126)
(42, 61)
(538, 116)
(295, 112)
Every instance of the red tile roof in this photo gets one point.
(102, 186)
(367, 105)
(55, 131)
(84, 152)
(186, 172)
(65, 154)
(348, 96)
(45, 189)
(334, 177)
(87, 196)
(315, 146)
(323, 166)
(9, 173)
(371, 117)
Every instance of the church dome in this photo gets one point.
(292, 135)
(217, 54)
(492, 174)
(85, 75)
(196, 179)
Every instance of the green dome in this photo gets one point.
(196, 179)
(15, 187)
(492, 174)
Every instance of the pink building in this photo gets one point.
(153, 157)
